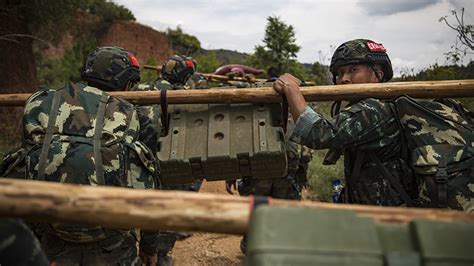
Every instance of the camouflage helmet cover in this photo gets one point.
(361, 51)
(177, 69)
(112, 67)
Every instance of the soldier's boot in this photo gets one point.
(165, 260)
(183, 235)
(243, 244)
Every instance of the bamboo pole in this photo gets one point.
(172, 210)
(418, 89)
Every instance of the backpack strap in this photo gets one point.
(355, 176)
(284, 113)
(97, 140)
(391, 179)
(442, 183)
(53, 114)
(165, 118)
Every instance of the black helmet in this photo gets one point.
(361, 51)
(112, 67)
(177, 69)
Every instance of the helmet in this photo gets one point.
(112, 67)
(177, 69)
(361, 51)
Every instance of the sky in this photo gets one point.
(409, 29)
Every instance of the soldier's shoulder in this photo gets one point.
(153, 86)
(369, 105)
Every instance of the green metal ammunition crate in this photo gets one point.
(223, 142)
(304, 236)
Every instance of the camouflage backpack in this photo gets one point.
(437, 143)
(82, 135)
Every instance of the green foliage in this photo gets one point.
(278, 50)
(55, 72)
(207, 63)
(320, 74)
(437, 72)
(108, 11)
(182, 42)
(149, 75)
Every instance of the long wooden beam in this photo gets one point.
(129, 208)
(419, 89)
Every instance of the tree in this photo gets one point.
(183, 43)
(208, 62)
(465, 35)
(279, 48)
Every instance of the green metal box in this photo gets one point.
(223, 142)
(304, 236)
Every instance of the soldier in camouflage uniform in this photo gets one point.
(18, 245)
(178, 73)
(81, 135)
(378, 169)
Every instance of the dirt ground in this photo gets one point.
(207, 248)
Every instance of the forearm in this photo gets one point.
(296, 101)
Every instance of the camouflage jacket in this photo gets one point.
(81, 135)
(362, 131)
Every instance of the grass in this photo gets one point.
(319, 175)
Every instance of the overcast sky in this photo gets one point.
(409, 29)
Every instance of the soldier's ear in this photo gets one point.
(381, 74)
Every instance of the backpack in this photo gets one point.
(437, 143)
(82, 135)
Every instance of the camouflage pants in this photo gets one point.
(279, 188)
(117, 249)
(18, 245)
(167, 238)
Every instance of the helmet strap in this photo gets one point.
(377, 75)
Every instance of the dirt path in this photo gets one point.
(206, 248)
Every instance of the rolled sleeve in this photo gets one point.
(304, 125)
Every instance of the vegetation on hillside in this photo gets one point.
(54, 72)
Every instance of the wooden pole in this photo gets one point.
(418, 89)
(173, 210)
(157, 68)
(213, 77)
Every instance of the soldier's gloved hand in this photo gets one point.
(286, 82)
(229, 184)
(147, 259)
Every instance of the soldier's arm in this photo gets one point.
(357, 124)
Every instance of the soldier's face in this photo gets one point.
(355, 74)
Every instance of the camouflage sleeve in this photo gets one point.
(357, 124)
(150, 126)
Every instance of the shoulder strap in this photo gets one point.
(99, 125)
(53, 114)
(391, 179)
(355, 176)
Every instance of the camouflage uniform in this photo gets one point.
(82, 127)
(369, 134)
(176, 70)
(18, 245)
(126, 162)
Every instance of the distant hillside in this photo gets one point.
(227, 56)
